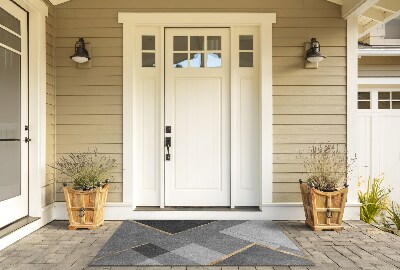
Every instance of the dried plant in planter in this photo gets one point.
(86, 200)
(87, 170)
(325, 167)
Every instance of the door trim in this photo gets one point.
(37, 12)
(131, 117)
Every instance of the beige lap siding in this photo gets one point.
(49, 187)
(379, 66)
(309, 104)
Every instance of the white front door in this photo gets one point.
(379, 133)
(13, 113)
(197, 110)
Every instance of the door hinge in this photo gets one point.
(27, 140)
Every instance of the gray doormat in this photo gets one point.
(199, 242)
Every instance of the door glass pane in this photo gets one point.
(213, 43)
(396, 95)
(245, 42)
(180, 43)
(384, 95)
(196, 43)
(10, 133)
(364, 105)
(214, 60)
(148, 43)
(148, 59)
(9, 21)
(383, 105)
(245, 59)
(364, 95)
(10, 40)
(396, 105)
(180, 60)
(197, 59)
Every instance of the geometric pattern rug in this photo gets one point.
(200, 242)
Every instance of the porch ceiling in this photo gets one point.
(371, 13)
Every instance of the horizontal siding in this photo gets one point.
(309, 104)
(379, 66)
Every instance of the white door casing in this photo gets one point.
(197, 107)
(16, 207)
(248, 85)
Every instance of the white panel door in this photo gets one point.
(13, 113)
(197, 108)
(379, 137)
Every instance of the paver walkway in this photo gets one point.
(358, 246)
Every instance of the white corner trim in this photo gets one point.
(270, 211)
(47, 216)
(378, 80)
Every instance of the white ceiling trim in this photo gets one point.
(57, 2)
(371, 13)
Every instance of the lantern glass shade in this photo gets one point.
(313, 54)
(81, 55)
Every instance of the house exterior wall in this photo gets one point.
(309, 104)
(379, 66)
(49, 186)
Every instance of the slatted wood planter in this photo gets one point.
(323, 210)
(86, 208)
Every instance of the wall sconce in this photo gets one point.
(81, 54)
(313, 55)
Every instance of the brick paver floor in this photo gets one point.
(358, 246)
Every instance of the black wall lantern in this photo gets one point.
(313, 54)
(81, 54)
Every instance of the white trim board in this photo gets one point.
(132, 171)
(378, 80)
(270, 211)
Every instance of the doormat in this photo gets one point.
(199, 242)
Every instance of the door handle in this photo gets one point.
(168, 145)
(10, 140)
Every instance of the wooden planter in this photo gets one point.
(86, 208)
(323, 210)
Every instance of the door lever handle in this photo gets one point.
(168, 145)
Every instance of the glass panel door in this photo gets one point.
(13, 113)
(10, 123)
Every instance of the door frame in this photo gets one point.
(131, 117)
(37, 13)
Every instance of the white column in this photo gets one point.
(352, 87)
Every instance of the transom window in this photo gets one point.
(381, 100)
(389, 100)
(197, 52)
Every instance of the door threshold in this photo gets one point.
(16, 225)
(207, 208)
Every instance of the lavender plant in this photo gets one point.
(326, 167)
(85, 169)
